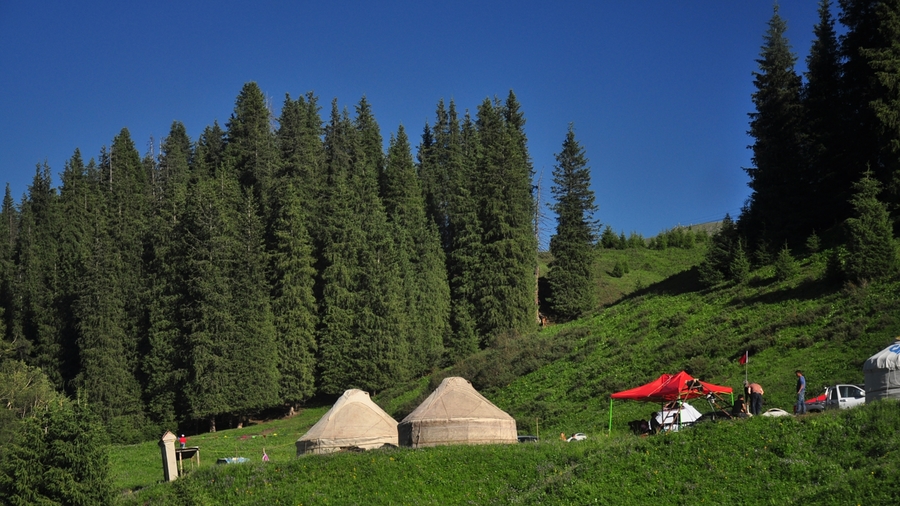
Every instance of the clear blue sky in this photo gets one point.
(658, 91)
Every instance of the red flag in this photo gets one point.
(744, 358)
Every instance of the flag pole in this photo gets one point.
(746, 364)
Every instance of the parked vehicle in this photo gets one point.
(840, 396)
(844, 396)
(528, 439)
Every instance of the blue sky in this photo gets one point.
(658, 90)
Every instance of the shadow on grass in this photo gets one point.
(808, 289)
(684, 282)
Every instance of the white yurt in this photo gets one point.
(354, 422)
(455, 413)
(882, 373)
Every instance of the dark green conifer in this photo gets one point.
(505, 286)
(872, 253)
(779, 204)
(60, 457)
(570, 276)
(421, 259)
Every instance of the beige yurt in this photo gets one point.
(882, 373)
(455, 413)
(354, 422)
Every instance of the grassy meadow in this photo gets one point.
(657, 319)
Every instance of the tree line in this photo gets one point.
(269, 260)
(826, 149)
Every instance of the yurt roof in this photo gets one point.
(886, 359)
(353, 414)
(456, 398)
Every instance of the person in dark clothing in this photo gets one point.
(740, 408)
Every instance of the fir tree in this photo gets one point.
(570, 277)
(293, 302)
(251, 144)
(363, 334)
(505, 285)
(36, 319)
(465, 233)
(740, 264)
(420, 256)
(779, 180)
(60, 457)
(716, 265)
(785, 265)
(884, 59)
(872, 254)
(824, 125)
(163, 363)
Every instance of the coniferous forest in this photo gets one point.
(269, 261)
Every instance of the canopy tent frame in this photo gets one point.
(667, 388)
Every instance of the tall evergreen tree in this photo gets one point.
(293, 275)
(465, 233)
(779, 206)
(572, 247)
(163, 364)
(862, 139)
(37, 256)
(505, 285)
(251, 144)
(9, 224)
(421, 259)
(363, 332)
(884, 60)
(824, 125)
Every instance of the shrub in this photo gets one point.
(620, 269)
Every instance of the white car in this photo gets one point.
(844, 396)
(579, 436)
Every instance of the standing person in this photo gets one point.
(182, 440)
(756, 393)
(801, 394)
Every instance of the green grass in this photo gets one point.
(140, 465)
(559, 380)
(844, 457)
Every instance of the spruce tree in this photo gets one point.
(251, 145)
(716, 265)
(293, 301)
(465, 234)
(572, 247)
(884, 59)
(421, 259)
(505, 285)
(60, 457)
(824, 125)
(872, 253)
(862, 139)
(364, 333)
(779, 205)
(36, 320)
(163, 363)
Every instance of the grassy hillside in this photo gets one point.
(844, 457)
(559, 380)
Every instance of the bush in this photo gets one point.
(620, 269)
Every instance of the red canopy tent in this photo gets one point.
(668, 387)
